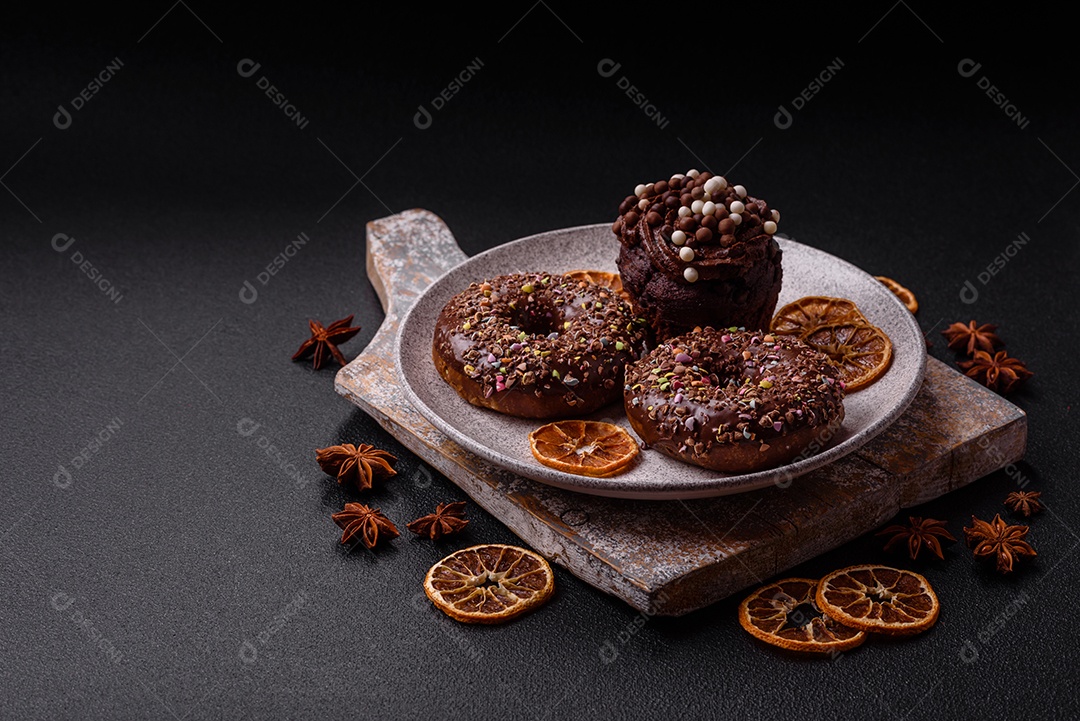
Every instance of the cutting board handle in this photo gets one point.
(406, 252)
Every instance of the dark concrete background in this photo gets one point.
(177, 568)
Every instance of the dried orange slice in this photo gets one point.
(601, 277)
(900, 292)
(880, 599)
(861, 352)
(784, 614)
(491, 583)
(587, 448)
(805, 314)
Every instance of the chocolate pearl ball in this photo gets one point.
(710, 222)
(686, 199)
(672, 201)
(726, 226)
(631, 218)
(675, 183)
(687, 225)
(697, 192)
(727, 239)
(627, 204)
(660, 188)
(653, 218)
(703, 235)
(666, 231)
(616, 227)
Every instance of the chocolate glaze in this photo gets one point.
(537, 345)
(734, 401)
(739, 266)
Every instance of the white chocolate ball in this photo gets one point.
(708, 208)
(740, 191)
(693, 172)
(769, 227)
(678, 237)
(686, 254)
(697, 205)
(737, 206)
(736, 218)
(690, 274)
(639, 190)
(685, 212)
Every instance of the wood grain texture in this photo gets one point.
(672, 557)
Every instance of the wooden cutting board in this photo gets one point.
(672, 557)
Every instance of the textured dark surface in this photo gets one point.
(181, 539)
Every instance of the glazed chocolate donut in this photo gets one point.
(734, 401)
(696, 251)
(537, 345)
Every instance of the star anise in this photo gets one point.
(1026, 502)
(367, 523)
(448, 518)
(918, 533)
(996, 371)
(1000, 540)
(324, 341)
(971, 336)
(358, 465)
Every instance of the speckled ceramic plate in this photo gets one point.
(504, 440)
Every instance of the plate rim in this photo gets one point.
(611, 487)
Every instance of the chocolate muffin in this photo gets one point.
(696, 251)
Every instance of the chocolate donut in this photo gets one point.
(537, 345)
(696, 251)
(733, 400)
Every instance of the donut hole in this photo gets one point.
(538, 318)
